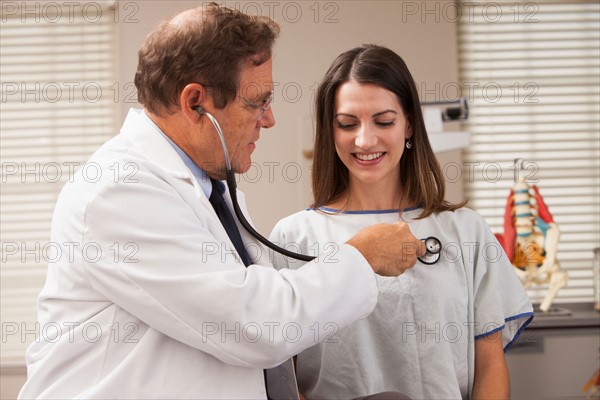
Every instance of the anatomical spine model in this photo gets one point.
(531, 239)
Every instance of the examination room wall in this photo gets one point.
(312, 35)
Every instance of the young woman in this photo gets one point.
(439, 330)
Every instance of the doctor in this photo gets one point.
(151, 298)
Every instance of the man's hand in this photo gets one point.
(390, 249)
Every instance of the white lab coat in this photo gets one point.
(145, 296)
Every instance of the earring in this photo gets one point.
(408, 144)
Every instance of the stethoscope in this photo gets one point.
(433, 249)
(432, 244)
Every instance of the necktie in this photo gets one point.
(226, 218)
(280, 381)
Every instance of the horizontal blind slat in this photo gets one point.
(52, 120)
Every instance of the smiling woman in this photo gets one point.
(370, 131)
(450, 319)
(374, 83)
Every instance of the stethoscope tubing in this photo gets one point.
(232, 186)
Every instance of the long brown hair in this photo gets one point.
(421, 177)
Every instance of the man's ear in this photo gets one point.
(192, 96)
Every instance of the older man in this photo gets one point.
(162, 298)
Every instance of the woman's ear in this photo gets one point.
(408, 133)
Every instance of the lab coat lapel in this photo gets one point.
(145, 137)
(150, 141)
(153, 144)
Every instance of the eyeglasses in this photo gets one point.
(263, 106)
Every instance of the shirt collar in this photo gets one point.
(201, 177)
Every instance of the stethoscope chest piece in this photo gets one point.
(433, 249)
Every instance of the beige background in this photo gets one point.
(313, 34)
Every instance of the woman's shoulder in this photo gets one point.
(463, 214)
(468, 214)
(463, 217)
(296, 220)
(302, 215)
(465, 222)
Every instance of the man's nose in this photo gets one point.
(267, 120)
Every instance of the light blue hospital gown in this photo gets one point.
(419, 340)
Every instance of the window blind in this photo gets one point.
(532, 74)
(58, 99)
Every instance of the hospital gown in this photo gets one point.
(419, 340)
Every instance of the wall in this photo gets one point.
(313, 33)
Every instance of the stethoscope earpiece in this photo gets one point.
(199, 110)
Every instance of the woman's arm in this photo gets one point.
(491, 373)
